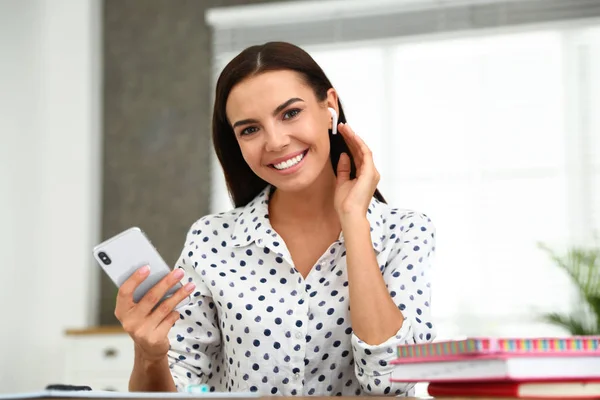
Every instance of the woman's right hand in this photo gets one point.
(147, 326)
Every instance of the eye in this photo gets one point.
(291, 113)
(248, 131)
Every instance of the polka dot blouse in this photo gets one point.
(256, 325)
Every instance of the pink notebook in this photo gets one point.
(479, 346)
(499, 367)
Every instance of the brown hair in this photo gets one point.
(243, 184)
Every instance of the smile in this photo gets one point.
(291, 162)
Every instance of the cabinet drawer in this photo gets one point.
(101, 353)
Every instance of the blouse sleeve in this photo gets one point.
(407, 276)
(195, 339)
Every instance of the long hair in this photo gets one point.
(243, 184)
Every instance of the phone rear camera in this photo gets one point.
(104, 258)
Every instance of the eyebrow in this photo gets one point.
(277, 110)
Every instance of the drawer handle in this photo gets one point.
(108, 353)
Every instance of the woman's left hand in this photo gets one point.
(353, 196)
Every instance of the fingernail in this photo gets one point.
(189, 287)
(178, 273)
(144, 270)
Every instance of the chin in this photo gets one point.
(293, 187)
(295, 184)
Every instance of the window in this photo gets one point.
(475, 132)
(592, 80)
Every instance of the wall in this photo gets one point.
(49, 150)
(157, 111)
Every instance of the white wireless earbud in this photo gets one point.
(334, 122)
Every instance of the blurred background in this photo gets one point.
(484, 114)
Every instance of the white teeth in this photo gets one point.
(289, 163)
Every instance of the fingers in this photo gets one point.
(157, 334)
(367, 164)
(349, 137)
(125, 296)
(363, 157)
(166, 324)
(158, 291)
(363, 149)
(166, 307)
(147, 324)
(343, 168)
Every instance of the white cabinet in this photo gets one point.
(101, 358)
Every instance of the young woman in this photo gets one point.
(308, 286)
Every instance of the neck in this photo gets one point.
(313, 203)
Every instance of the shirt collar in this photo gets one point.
(252, 222)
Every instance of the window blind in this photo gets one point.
(322, 22)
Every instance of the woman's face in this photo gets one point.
(282, 128)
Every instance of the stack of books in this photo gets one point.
(540, 368)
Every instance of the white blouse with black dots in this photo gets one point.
(256, 325)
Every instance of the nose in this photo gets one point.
(276, 139)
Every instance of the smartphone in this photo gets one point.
(125, 253)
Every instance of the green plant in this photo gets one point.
(582, 265)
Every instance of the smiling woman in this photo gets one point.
(285, 141)
(308, 286)
(236, 93)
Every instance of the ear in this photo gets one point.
(332, 100)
